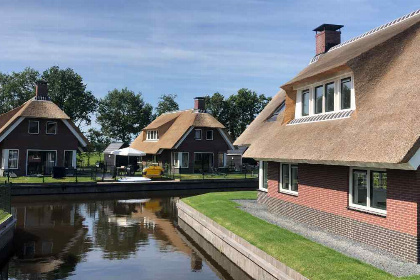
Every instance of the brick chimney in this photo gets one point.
(41, 90)
(200, 104)
(327, 36)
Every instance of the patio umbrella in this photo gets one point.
(128, 152)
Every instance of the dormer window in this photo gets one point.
(152, 135)
(326, 100)
(279, 109)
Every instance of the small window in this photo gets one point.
(13, 159)
(152, 135)
(319, 95)
(51, 128)
(197, 134)
(209, 135)
(33, 127)
(305, 102)
(345, 93)
(289, 178)
(279, 109)
(329, 97)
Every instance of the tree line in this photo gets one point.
(121, 113)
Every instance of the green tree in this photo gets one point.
(166, 104)
(16, 88)
(67, 90)
(97, 140)
(122, 113)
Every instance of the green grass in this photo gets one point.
(214, 176)
(311, 259)
(94, 157)
(4, 216)
(34, 180)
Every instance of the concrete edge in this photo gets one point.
(249, 258)
(6, 232)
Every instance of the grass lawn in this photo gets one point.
(214, 176)
(92, 160)
(34, 180)
(311, 259)
(3, 216)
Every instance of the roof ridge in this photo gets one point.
(176, 111)
(372, 31)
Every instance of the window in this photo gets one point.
(263, 175)
(279, 109)
(33, 127)
(51, 128)
(181, 159)
(319, 95)
(345, 93)
(152, 135)
(288, 178)
(13, 159)
(221, 160)
(305, 102)
(368, 190)
(209, 135)
(197, 134)
(69, 159)
(329, 97)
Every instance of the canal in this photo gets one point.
(120, 236)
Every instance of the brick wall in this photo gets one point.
(323, 202)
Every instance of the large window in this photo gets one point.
(368, 190)
(51, 128)
(197, 134)
(33, 127)
(288, 178)
(345, 93)
(305, 103)
(13, 159)
(152, 135)
(264, 175)
(181, 159)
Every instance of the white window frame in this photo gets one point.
(262, 186)
(73, 159)
(152, 135)
(201, 134)
(5, 159)
(179, 163)
(281, 189)
(29, 125)
(212, 135)
(366, 208)
(337, 96)
(46, 127)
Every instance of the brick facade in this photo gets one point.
(323, 201)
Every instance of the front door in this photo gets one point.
(203, 162)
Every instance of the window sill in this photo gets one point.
(289, 192)
(263, 190)
(368, 211)
(151, 140)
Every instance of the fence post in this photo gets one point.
(76, 174)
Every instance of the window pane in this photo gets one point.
(209, 135)
(345, 93)
(378, 189)
(329, 97)
(51, 127)
(305, 103)
(285, 176)
(318, 99)
(221, 160)
(33, 127)
(265, 175)
(197, 134)
(294, 185)
(359, 187)
(13, 159)
(185, 160)
(68, 159)
(175, 159)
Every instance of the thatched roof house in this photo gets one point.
(338, 145)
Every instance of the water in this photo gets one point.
(104, 237)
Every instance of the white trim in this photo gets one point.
(280, 187)
(261, 177)
(415, 160)
(221, 131)
(5, 159)
(46, 128)
(150, 137)
(84, 144)
(366, 208)
(212, 134)
(180, 161)
(201, 133)
(11, 128)
(39, 150)
(183, 137)
(29, 125)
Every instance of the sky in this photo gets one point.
(189, 48)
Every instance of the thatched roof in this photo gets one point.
(171, 127)
(383, 131)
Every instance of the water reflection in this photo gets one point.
(102, 239)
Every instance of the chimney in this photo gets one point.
(41, 90)
(200, 104)
(327, 36)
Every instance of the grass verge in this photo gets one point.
(311, 259)
(38, 180)
(4, 216)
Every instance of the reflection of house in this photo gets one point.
(189, 141)
(339, 144)
(37, 136)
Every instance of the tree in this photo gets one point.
(166, 104)
(97, 140)
(67, 90)
(16, 88)
(122, 113)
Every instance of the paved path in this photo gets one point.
(368, 254)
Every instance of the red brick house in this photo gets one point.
(188, 141)
(37, 136)
(339, 144)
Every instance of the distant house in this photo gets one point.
(339, 144)
(113, 160)
(37, 136)
(188, 141)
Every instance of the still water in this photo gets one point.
(104, 237)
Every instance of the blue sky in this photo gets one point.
(189, 48)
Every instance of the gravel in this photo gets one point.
(365, 253)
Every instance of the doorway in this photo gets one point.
(203, 162)
(41, 162)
